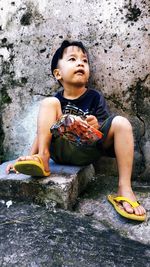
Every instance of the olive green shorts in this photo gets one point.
(64, 151)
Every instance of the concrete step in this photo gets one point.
(61, 188)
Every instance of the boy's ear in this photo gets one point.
(56, 73)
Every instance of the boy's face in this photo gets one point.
(73, 68)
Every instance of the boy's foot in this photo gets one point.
(128, 193)
(127, 206)
(34, 165)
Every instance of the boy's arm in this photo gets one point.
(101, 111)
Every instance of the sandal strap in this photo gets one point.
(38, 157)
(134, 204)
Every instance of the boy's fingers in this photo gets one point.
(92, 120)
(10, 168)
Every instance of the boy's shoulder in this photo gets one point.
(94, 94)
(93, 91)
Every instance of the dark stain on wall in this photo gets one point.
(117, 101)
(7, 82)
(26, 19)
(43, 50)
(24, 80)
(133, 13)
(1, 139)
(138, 93)
(5, 98)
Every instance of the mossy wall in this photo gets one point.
(117, 36)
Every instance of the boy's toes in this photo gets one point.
(127, 207)
(139, 210)
(23, 158)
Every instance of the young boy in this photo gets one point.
(70, 67)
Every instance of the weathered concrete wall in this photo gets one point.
(116, 34)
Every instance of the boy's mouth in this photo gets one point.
(80, 71)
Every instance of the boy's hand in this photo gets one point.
(92, 121)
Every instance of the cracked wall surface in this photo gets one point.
(117, 36)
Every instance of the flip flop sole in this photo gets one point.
(31, 168)
(123, 213)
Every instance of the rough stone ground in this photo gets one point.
(91, 235)
(94, 203)
(35, 236)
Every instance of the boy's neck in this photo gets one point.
(74, 92)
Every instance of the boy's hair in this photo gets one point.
(59, 52)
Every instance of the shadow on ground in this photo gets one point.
(32, 235)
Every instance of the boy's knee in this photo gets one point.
(120, 122)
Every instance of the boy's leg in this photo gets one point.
(121, 135)
(49, 112)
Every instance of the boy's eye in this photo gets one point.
(85, 60)
(72, 59)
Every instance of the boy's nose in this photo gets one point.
(80, 63)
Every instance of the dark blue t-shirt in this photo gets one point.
(91, 102)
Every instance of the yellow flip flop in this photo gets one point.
(116, 201)
(32, 167)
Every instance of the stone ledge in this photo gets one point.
(62, 187)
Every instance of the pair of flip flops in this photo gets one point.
(33, 167)
(117, 201)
